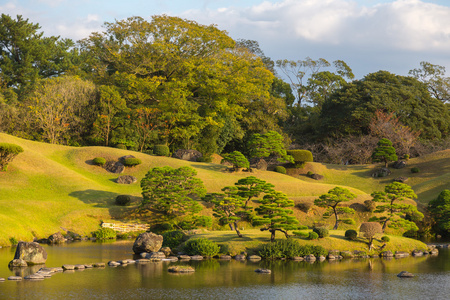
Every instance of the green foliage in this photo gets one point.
(99, 161)
(301, 234)
(123, 200)
(384, 152)
(13, 241)
(7, 153)
(237, 159)
(301, 157)
(173, 239)
(268, 144)
(302, 227)
(131, 161)
(194, 222)
(104, 234)
(332, 200)
(439, 209)
(121, 146)
(385, 239)
(280, 169)
(161, 150)
(171, 191)
(309, 174)
(251, 187)
(287, 248)
(415, 170)
(351, 234)
(322, 232)
(313, 235)
(201, 246)
(205, 159)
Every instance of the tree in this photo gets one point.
(7, 153)
(267, 145)
(384, 152)
(237, 159)
(273, 212)
(433, 77)
(251, 187)
(439, 209)
(172, 192)
(393, 193)
(369, 230)
(332, 200)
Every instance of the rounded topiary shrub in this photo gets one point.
(280, 169)
(105, 234)
(313, 236)
(201, 246)
(99, 161)
(415, 170)
(173, 239)
(161, 150)
(321, 232)
(123, 200)
(131, 161)
(385, 238)
(7, 153)
(351, 234)
(301, 157)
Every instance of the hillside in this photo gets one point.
(49, 187)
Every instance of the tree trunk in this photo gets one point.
(237, 229)
(337, 219)
(285, 233)
(272, 237)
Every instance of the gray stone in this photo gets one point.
(114, 167)
(322, 258)
(258, 163)
(254, 257)
(123, 158)
(184, 257)
(98, 265)
(80, 267)
(34, 277)
(56, 238)
(2, 279)
(417, 253)
(387, 254)
(383, 172)
(147, 242)
(405, 274)
(399, 254)
(317, 176)
(68, 267)
(17, 263)
(126, 179)
(181, 269)
(113, 263)
(159, 255)
(166, 250)
(189, 155)
(196, 257)
(310, 257)
(142, 260)
(401, 179)
(263, 271)
(15, 278)
(32, 253)
(298, 258)
(399, 164)
(225, 257)
(240, 257)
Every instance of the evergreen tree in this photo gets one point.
(384, 152)
(332, 200)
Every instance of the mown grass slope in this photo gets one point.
(49, 188)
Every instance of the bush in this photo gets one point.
(123, 200)
(205, 159)
(309, 174)
(99, 161)
(415, 170)
(280, 169)
(13, 241)
(313, 236)
(161, 150)
(201, 246)
(173, 239)
(348, 221)
(131, 161)
(351, 234)
(105, 234)
(321, 232)
(370, 205)
(406, 157)
(301, 157)
(7, 153)
(289, 248)
(237, 159)
(385, 238)
(195, 222)
(161, 227)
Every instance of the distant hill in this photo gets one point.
(49, 188)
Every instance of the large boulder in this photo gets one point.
(383, 172)
(32, 253)
(189, 155)
(147, 242)
(126, 179)
(114, 167)
(17, 263)
(258, 163)
(56, 238)
(399, 164)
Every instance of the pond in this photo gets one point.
(373, 278)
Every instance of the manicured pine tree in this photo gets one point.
(251, 187)
(384, 152)
(332, 200)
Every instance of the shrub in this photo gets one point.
(321, 232)
(302, 227)
(99, 161)
(237, 159)
(148, 151)
(105, 234)
(161, 227)
(301, 157)
(351, 234)
(173, 239)
(123, 200)
(131, 161)
(309, 174)
(195, 222)
(415, 170)
(161, 150)
(280, 169)
(201, 246)
(348, 221)
(206, 159)
(370, 205)
(289, 248)
(313, 236)
(406, 157)
(385, 238)
(305, 206)
(7, 153)
(13, 241)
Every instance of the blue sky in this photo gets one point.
(369, 35)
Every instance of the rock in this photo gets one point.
(331, 257)
(123, 158)
(68, 267)
(158, 255)
(2, 279)
(310, 257)
(434, 251)
(114, 167)
(32, 253)
(263, 271)
(189, 155)
(317, 176)
(383, 172)
(258, 163)
(73, 235)
(34, 277)
(399, 254)
(254, 257)
(184, 257)
(98, 265)
(401, 179)
(417, 253)
(405, 274)
(196, 257)
(170, 258)
(166, 250)
(387, 254)
(240, 257)
(15, 278)
(225, 257)
(181, 269)
(147, 242)
(347, 254)
(126, 179)
(45, 274)
(297, 258)
(142, 260)
(80, 267)
(399, 164)
(17, 263)
(322, 258)
(56, 238)
(113, 263)
(88, 266)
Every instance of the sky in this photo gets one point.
(369, 35)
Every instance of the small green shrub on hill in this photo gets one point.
(280, 169)
(173, 239)
(415, 170)
(161, 150)
(7, 153)
(351, 234)
(105, 234)
(99, 161)
(289, 248)
(301, 157)
(313, 235)
(131, 161)
(237, 159)
(385, 239)
(322, 232)
(123, 200)
(201, 246)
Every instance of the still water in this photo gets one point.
(373, 278)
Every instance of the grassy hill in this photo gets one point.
(49, 187)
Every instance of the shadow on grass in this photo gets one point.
(99, 198)
(209, 167)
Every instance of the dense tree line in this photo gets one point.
(173, 81)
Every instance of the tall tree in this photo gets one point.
(384, 152)
(434, 77)
(333, 201)
(251, 187)
(269, 144)
(440, 210)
